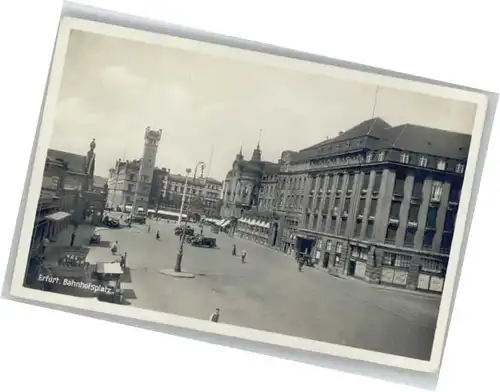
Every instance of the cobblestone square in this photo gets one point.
(268, 293)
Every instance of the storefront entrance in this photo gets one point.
(351, 268)
(304, 245)
(326, 259)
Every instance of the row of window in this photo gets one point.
(394, 217)
(423, 160)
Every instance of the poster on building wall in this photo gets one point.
(329, 158)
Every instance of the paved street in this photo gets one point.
(268, 293)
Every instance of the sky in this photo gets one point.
(112, 89)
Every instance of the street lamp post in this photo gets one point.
(180, 251)
(184, 193)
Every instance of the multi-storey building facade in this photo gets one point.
(377, 202)
(122, 182)
(68, 193)
(202, 194)
(158, 185)
(130, 182)
(279, 205)
(380, 202)
(274, 220)
(243, 183)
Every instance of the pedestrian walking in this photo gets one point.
(114, 248)
(214, 317)
(73, 236)
(45, 243)
(243, 256)
(149, 228)
(123, 261)
(158, 234)
(234, 250)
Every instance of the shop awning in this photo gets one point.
(109, 268)
(57, 216)
(224, 224)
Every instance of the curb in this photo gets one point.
(410, 292)
(382, 287)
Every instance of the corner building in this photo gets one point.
(380, 202)
(241, 187)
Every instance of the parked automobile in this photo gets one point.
(215, 229)
(95, 238)
(141, 219)
(204, 242)
(111, 222)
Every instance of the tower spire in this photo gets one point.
(239, 156)
(256, 156)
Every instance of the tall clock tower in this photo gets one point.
(145, 177)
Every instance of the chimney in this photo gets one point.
(341, 133)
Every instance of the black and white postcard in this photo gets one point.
(250, 195)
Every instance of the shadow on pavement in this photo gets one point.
(129, 294)
(126, 277)
(102, 244)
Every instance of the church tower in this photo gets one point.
(145, 178)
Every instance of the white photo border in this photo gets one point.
(48, 116)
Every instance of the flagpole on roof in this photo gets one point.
(375, 103)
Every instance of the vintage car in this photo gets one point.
(95, 238)
(111, 222)
(141, 219)
(215, 229)
(204, 242)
